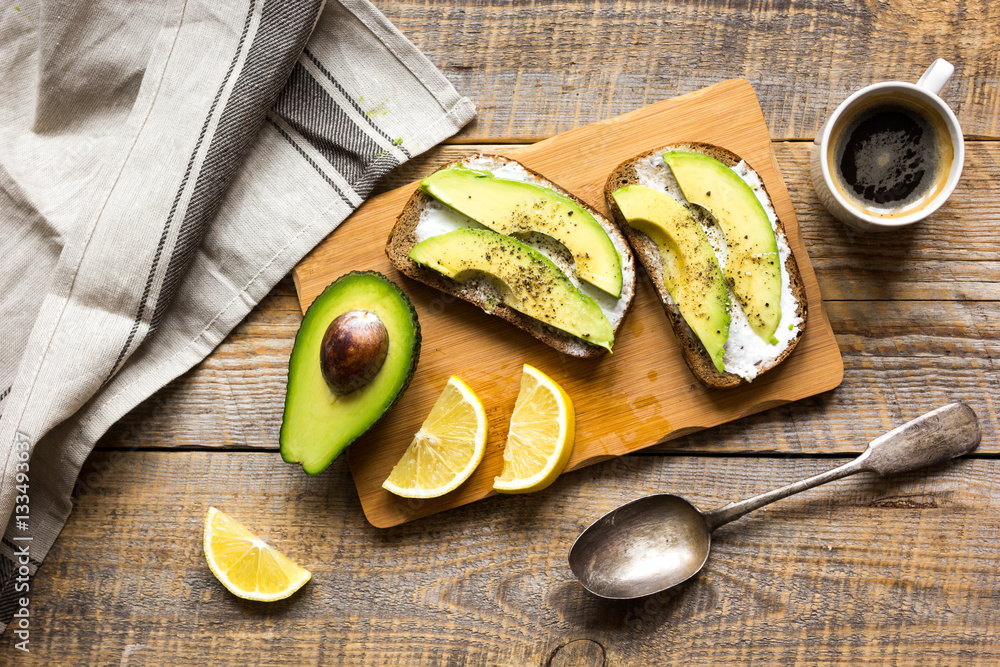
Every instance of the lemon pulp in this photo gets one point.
(541, 436)
(447, 448)
(245, 564)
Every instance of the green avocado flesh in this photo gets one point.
(511, 207)
(528, 281)
(318, 424)
(691, 271)
(753, 267)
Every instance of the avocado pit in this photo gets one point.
(353, 350)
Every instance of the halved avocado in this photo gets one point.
(319, 424)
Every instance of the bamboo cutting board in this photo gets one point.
(640, 395)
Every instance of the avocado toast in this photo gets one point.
(492, 232)
(701, 223)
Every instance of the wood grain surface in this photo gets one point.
(536, 69)
(861, 571)
(892, 572)
(640, 395)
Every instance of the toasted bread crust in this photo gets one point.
(403, 237)
(695, 354)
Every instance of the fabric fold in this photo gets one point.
(243, 147)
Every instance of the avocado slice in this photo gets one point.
(512, 207)
(319, 424)
(691, 271)
(528, 281)
(753, 267)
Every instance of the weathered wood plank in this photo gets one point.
(963, 229)
(900, 571)
(536, 69)
(901, 359)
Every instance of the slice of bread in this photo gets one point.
(482, 292)
(642, 170)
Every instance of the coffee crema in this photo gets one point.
(891, 156)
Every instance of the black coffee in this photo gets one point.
(891, 157)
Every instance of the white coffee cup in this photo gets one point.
(831, 186)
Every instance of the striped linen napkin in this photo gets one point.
(162, 166)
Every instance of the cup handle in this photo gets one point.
(936, 76)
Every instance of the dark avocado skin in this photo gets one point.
(318, 425)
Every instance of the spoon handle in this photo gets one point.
(935, 437)
(734, 511)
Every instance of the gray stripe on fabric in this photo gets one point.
(307, 108)
(311, 162)
(285, 26)
(173, 208)
(13, 548)
(363, 121)
(8, 596)
(357, 107)
(383, 163)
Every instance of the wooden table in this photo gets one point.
(902, 571)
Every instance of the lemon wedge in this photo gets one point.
(245, 564)
(540, 440)
(447, 448)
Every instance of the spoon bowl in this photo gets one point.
(648, 544)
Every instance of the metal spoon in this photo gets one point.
(653, 543)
